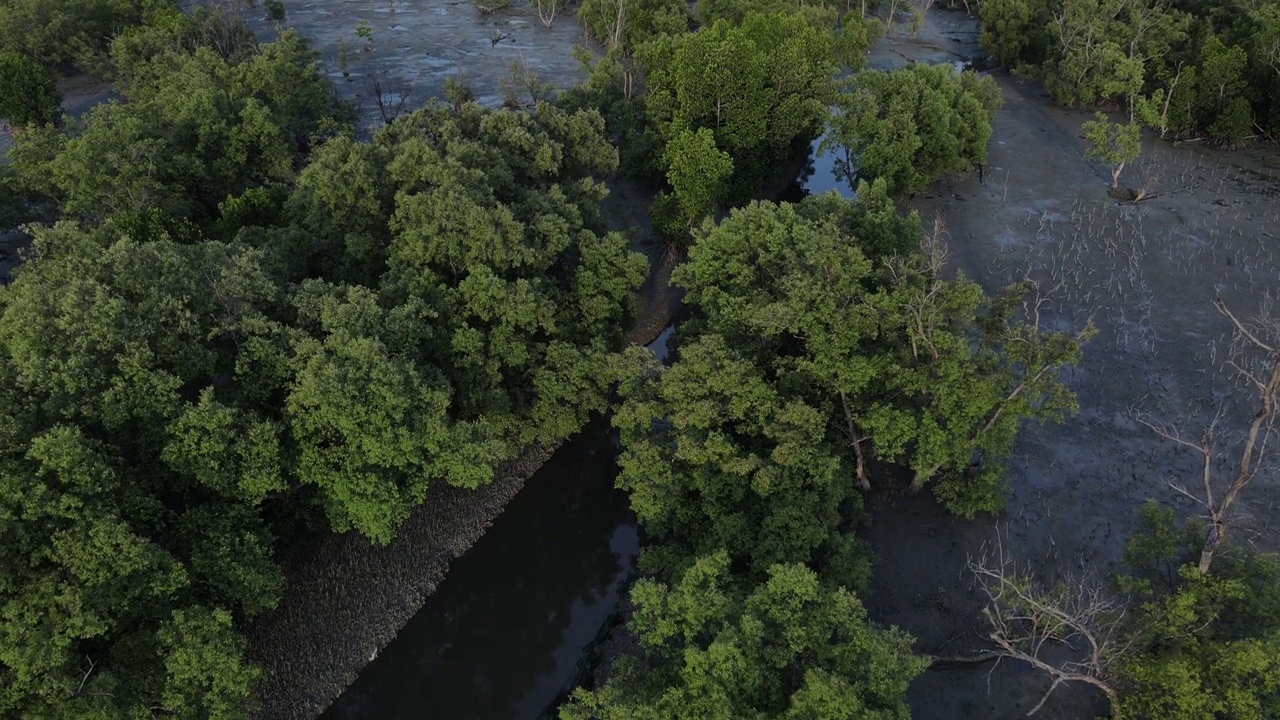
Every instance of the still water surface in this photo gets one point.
(502, 635)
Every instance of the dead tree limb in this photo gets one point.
(1079, 616)
(1254, 357)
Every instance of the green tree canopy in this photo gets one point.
(913, 125)
(60, 31)
(787, 648)
(134, 509)
(195, 131)
(625, 24)
(1209, 645)
(761, 87)
(1209, 68)
(927, 372)
(1113, 143)
(28, 93)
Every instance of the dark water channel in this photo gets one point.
(503, 635)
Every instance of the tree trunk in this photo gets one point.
(856, 442)
(1255, 445)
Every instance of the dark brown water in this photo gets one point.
(503, 634)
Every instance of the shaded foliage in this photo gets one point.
(1187, 68)
(196, 130)
(61, 31)
(786, 648)
(28, 93)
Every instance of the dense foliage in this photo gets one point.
(893, 359)
(62, 31)
(252, 325)
(788, 648)
(760, 87)
(1189, 67)
(913, 125)
(623, 25)
(195, 131)
(1208, 644)
(851, 32)
(28, 93)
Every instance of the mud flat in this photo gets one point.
(1145, 275)
(415, 45)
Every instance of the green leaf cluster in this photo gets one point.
(1113, 143)
(788, 648)
(135, 512)
(624, 25)
(195, 131)
(913, 125)
(28, 93)
(936, 373)
(1209, 645)
(1188, 68)
(760, 87)
(851, 32)
(61, 31)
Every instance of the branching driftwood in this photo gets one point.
(1029, 623)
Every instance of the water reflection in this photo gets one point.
(502, 635)
(661, 344)
(818, 176)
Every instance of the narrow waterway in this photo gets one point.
(503, 635)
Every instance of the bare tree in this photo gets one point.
(547, 10)
(1074, 633)
(893, 11)
(390, 92)
(1254, 355)
(523, 81)
(619, 24)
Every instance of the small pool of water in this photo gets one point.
(817, 176)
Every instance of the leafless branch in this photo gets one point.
(391, 93)
(1026, 622)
